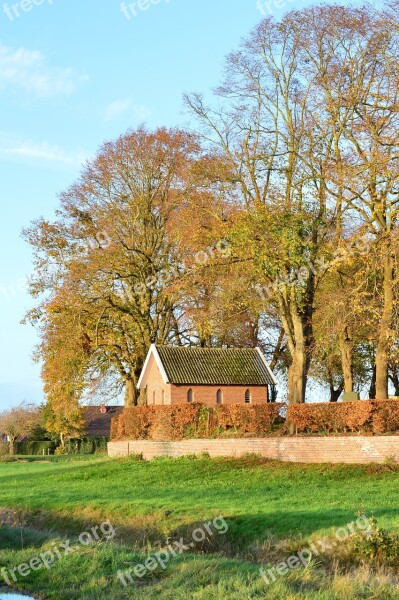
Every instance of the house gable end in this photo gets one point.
(152, 357)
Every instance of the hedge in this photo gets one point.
(31, 448)
(87, 445)
(363, 416)
(180, 421)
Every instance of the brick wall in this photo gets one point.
(231, 394)
(351, 449)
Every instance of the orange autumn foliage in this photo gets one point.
(195, 420)
(364, 416)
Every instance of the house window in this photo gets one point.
(219, 397)
(163, 396)
(153, 397)
(190, 395)
(248, 397)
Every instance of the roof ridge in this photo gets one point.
(206, 348)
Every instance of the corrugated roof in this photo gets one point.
(214, 366)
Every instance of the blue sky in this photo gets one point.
(74, 73)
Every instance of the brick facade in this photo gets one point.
(350, 449)
(231, 394)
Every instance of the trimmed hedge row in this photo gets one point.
(363, 416)
(180, 421)
(86, 445)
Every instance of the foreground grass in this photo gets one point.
(91, 575)
(271, 508)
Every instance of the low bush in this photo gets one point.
(87, 445)
(181, 421)
(33, 448)
(378, 546)
(363, 416)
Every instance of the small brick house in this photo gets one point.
(177, 374)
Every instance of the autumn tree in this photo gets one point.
(264, 131)
(19, 421)
(102, 268)
(307, 119)
(353, 55)
(64, 421)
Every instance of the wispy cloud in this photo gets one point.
(16, 148)
(119, 107)
(28, 70)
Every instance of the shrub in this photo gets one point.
(377, 545)
(363, 416)
(35, 448)
(87, 445)
(180, 421)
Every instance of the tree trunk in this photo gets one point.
(300, 344)
(334, 393)
(372, 385)
(346, 348)
(383, 345)
(12, 446)
(131, 393)
(394, 377)
(278, 353)
(297, 374)
(299, 333)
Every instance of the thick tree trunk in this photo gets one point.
(299, 333)
(383, 345)
(131, 393)
(346, 348)
(11, 446)
(334, 394)
(297, 374)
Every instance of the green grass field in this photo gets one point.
(271, 510)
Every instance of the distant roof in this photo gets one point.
(99, 423)
(211, 366)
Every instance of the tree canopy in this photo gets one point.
(273, 223)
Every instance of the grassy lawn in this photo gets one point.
(271, 511)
